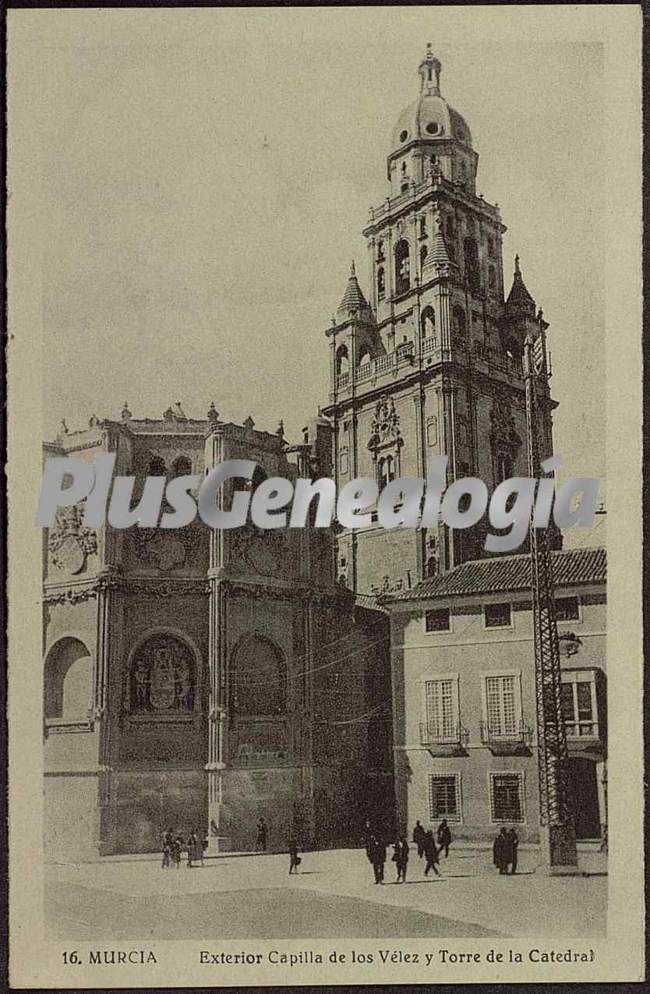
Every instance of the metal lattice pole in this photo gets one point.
(556, 810)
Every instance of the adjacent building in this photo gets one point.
(464, 705)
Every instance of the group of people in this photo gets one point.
(504, 851)
(425, 842)
(428, 846)
(174, 845)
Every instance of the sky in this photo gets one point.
(206, 174)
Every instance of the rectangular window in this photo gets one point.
(506, 797)
(579, 706)
(502, 706)
(444, 797)
(437, 620)
(497, 615)
(567, 609)
(441, 709)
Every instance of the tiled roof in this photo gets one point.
(519, 295)
(369, 602)
(484, 576)
(353, 298)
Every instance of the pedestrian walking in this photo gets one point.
(444, 837)
(191, 848)
(294, 858)
(378, 851)
(167, 843)
(418, 838)
(500, 849)
(367, 837)
(513, 846)
(430, 853)
(262, 834)
(177, 849)
(401, 857)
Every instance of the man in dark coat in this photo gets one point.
(500, 851)
(378, 853)
(177, 849)
(401, 858)
(430, 853)
(368, 836)
(167, 842)
(262, 834)
(418, 838)
(294, 858)
(444, 837)
(513, 846)
(191, 848)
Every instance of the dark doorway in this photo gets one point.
(585, 792)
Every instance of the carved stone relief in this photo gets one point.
(70, 542)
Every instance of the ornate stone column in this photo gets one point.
(217, 656)
(217, 690)
(102, 716)
(447, 556)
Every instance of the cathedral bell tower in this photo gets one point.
(431, 363)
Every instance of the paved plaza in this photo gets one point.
(253, 896)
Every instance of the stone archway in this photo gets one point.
(68, 680)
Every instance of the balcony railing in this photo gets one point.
(495, 735)
(433, 734)
(581, 729)
(406, 352)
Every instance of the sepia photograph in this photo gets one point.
(267, 258)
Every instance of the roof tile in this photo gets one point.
(483, 576)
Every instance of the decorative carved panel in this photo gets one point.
(70, 542)
(162, 679)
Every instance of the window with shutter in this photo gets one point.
(502, 705)
(441, 715)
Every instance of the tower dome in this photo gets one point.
(429, 125)
(430, 116)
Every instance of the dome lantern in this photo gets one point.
(430, 137)
(429, 70)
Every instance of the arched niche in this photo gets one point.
(342, 360)
(182, 466)
(459, 321)
(258, 679)
(472, 266)
(163, 674)
(68, 680)
(402, 266)
(428, 323)
(364, 356)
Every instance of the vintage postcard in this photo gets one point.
(324, 407)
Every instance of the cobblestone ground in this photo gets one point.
(334, 895)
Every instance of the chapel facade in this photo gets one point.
(196, 678)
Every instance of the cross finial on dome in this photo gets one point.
(517, 267)
(429, 70)
(352, 269)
